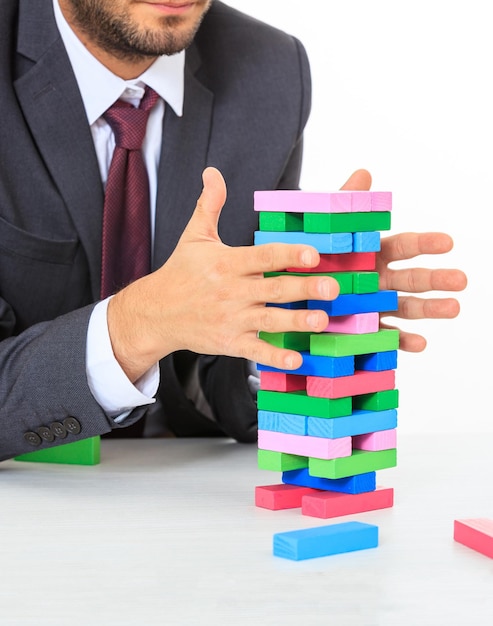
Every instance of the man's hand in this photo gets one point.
(403, 247)
(210, 298)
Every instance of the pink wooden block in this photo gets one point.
(347, 262)
(280, 381)
(296, 201)
(381, 201)
(381, 440)
(356, 324)
(303, 445)
(327, 504)
(277, 497)
(359, 383)
(476, 534)
(361, 201)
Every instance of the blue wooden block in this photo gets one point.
(325, 243)
(282, 422)
(366, 242)
(360, 422)
(309, 543)
(315, 365)
(347, 304)
(377, 361)
(361, 483)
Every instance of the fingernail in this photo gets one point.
(312, 320)
(289, 362)
(324, 288)
(307, 258)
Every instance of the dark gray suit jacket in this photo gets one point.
(247, 100)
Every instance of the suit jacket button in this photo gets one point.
(45, 433)
(72, 425)
(32, 438)
(58, 429)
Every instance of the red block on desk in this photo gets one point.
(277, 497)
(361, 382)
(476, 534)
(325, 504)
(280, 381)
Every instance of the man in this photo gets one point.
(234, 97)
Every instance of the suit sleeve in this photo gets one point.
(43, 382)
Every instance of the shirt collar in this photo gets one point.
(100, 88)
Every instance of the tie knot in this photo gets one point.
(129, 123)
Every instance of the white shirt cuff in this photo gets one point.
(107, 381)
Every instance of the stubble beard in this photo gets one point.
(120, 37)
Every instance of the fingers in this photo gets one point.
(275, 257)
(276, 320)
(283, 289)
(419, 280)
(409, 245)
(408, 342)
(204, 221)
(360, 180)
(412, 308)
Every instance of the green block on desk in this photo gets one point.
(299, 403)
(339, 344)
(365, 282)
(281, 222)
(291, 341)
(346, 222)
(360, 462)
(280, 461)
(377, 401)
(83, 452)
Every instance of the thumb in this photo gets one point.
(360, 180)
(204, 221)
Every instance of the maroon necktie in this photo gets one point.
(126, 247)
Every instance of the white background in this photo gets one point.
(404, 89)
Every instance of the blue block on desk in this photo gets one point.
(361, 483)
(325, 243)
(377, 361)
(366, 242)
(348, 304)
(282, 422)
(309, 543)
(315, 365)
(360, 422)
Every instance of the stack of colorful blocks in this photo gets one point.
(330, 425)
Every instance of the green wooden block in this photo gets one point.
(280, 461)
(345, 279)
(360, 462)
(365, 282)
(377, 401)
(83, 452)
(299, 403)
(346, 222)
(339, 344)
(281, 222)
(291, 341)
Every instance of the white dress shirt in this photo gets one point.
(99, 89)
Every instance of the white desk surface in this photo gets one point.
(165, 532)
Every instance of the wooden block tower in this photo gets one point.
(330, 425)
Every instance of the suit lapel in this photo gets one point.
(53, 108)
(183, 158)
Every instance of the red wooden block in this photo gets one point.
(348, 262)
(325, 504)
(359, 383)
(280, 381)
(277, 497)
(476, 534)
